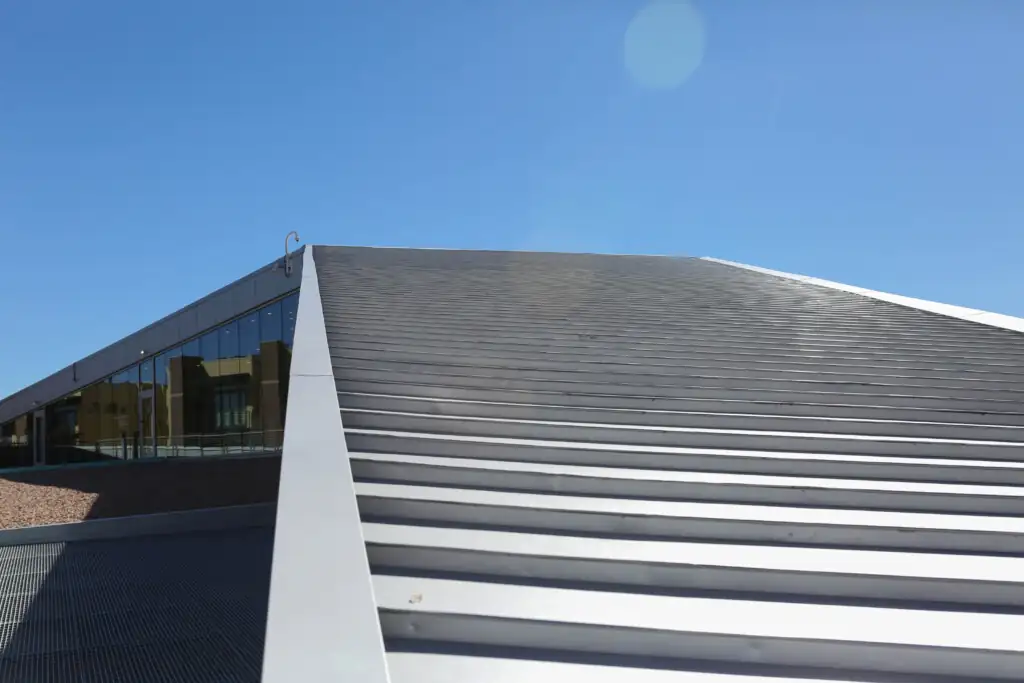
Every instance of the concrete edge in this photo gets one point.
(322, 622)
(1005, 322)
(203, 519)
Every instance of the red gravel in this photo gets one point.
(74, 494)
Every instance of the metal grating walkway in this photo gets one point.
(641, 468)
(180, 608)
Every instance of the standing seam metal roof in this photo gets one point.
(669, 469)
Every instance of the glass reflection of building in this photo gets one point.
(223, 392)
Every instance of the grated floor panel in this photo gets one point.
(189, 607)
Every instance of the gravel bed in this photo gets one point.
(74, 494)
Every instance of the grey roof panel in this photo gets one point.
(542, 443)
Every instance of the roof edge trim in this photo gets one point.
(1006, 322)
(499, 251)
(322, 622)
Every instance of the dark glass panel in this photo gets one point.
(109, 433)
(208, 346)
(90, 422)
(228, 349)
(273, 362)
(194, 381)
(249, 366)
(177, 362)
(15, 449)
(249, 334)
(229, 391)
(271, 323)
(125, 399)
(290, 311)
(162, 403)
(146, 374)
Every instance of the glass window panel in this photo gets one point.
(23, 437)
(249, 368)
(162, 402)
(62, 432)
(269, 406)
(14, 446)
(271, 326)
(160, 370)
(109, 435)
(249, 335)
(146, 374)
(176, 420)
(193, 407)
(90, 422)
(290, 310)
(208, 346)
(230, 387)
(125, 399)
(229, 340)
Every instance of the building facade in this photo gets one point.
(220, 389)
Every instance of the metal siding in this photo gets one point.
(231, 301)
(643, 468)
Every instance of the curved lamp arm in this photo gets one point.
(287, 255)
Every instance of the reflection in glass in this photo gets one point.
(124, 417)
(146, 374)
(223, 392)
(106, 420)
(271, 326)
(228, 350)
(274, 364)
(249, 366)
(208, 346)
(163, 400)
(15, 450)
(290, 312)
(193, 382)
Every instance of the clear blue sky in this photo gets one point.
(151, 152)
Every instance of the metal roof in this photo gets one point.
(671, 469)
(507, 467)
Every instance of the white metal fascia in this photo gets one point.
(322, 622)
(1006, 322)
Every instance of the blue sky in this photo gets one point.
(152, 152)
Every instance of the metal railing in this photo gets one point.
(192, 445)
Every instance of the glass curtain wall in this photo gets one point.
(223, 392)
